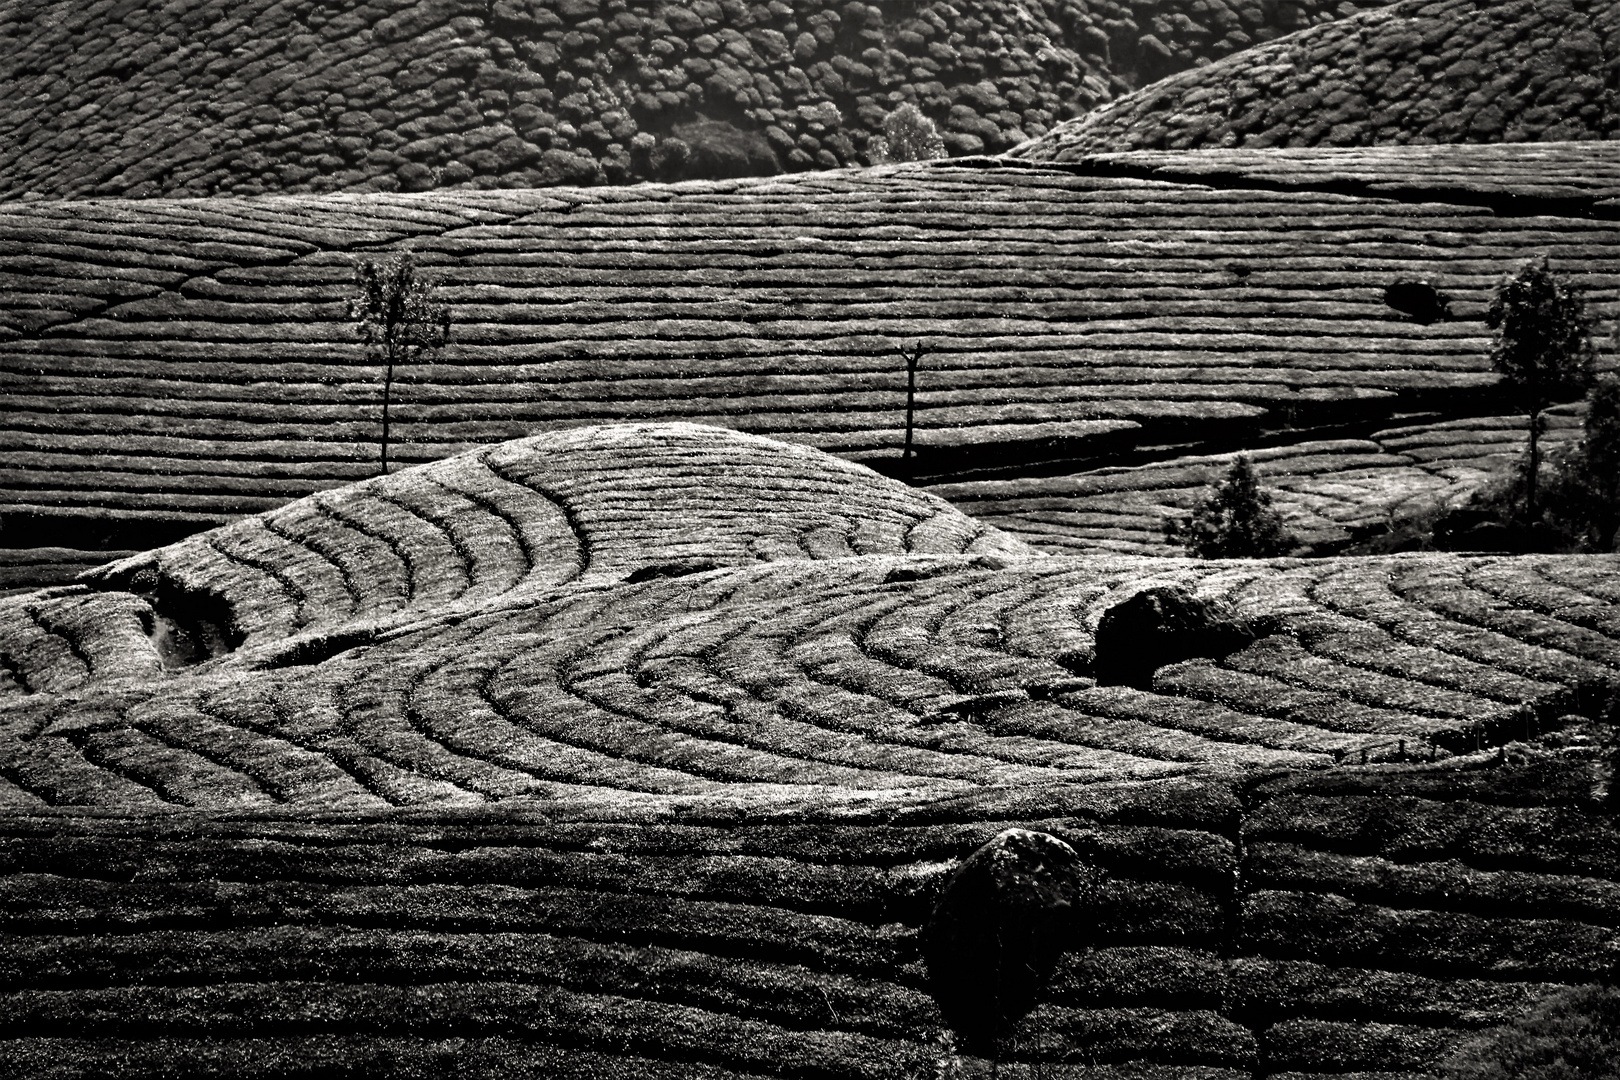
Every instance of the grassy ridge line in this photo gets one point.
(838, 680)
(188, 369)
(1329, 492)
(1458, 71)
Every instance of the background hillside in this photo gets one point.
(204, 97)
(168, 364)
(1453, 71)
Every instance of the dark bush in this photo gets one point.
(1234, 521)
(1543, 349)
(1419, 299)
(996, 934)
(1162, 626)
(1577, 506)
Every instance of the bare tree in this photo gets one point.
(397, 320)
(912, 359)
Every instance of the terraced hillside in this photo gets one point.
(1419, 71)
(202, 97)
(1576, 179)
(1330, 492)
(693, 822)
(181, 362)
(587, 505)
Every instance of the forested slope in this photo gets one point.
(202, 97)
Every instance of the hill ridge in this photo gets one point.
(1418, 71)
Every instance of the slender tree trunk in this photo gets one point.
(388, 385)
(1535, 467)
(912, 359)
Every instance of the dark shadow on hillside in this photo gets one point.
(98, 533)
(187, 626)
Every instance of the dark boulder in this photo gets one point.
(1422, 301)
(1162, 626)
(1004, 919)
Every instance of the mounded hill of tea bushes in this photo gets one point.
(204, 97)
(691, 823)
(185, 361)
(583, 505)
(1419, 71)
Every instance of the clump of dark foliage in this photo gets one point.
(1573, 1035)
(1543, 349)
(1162, 626)
(1563, 502)
(908, 135)
(1235, 520)
(1569, 502)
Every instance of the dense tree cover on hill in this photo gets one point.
(206, 96)
(1418, 72)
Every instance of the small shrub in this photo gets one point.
(1583, 494)
(1573, 1035)
(1234, 521)
(940, 1061)
(908, 135)
(1543, 349)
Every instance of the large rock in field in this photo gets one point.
(996, 934)
(1160, 626)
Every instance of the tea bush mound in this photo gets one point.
(1415, 72)
(207, 98)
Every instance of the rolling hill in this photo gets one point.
(1418, 72)
(169, 364)
(692, 822)
(202, 98)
